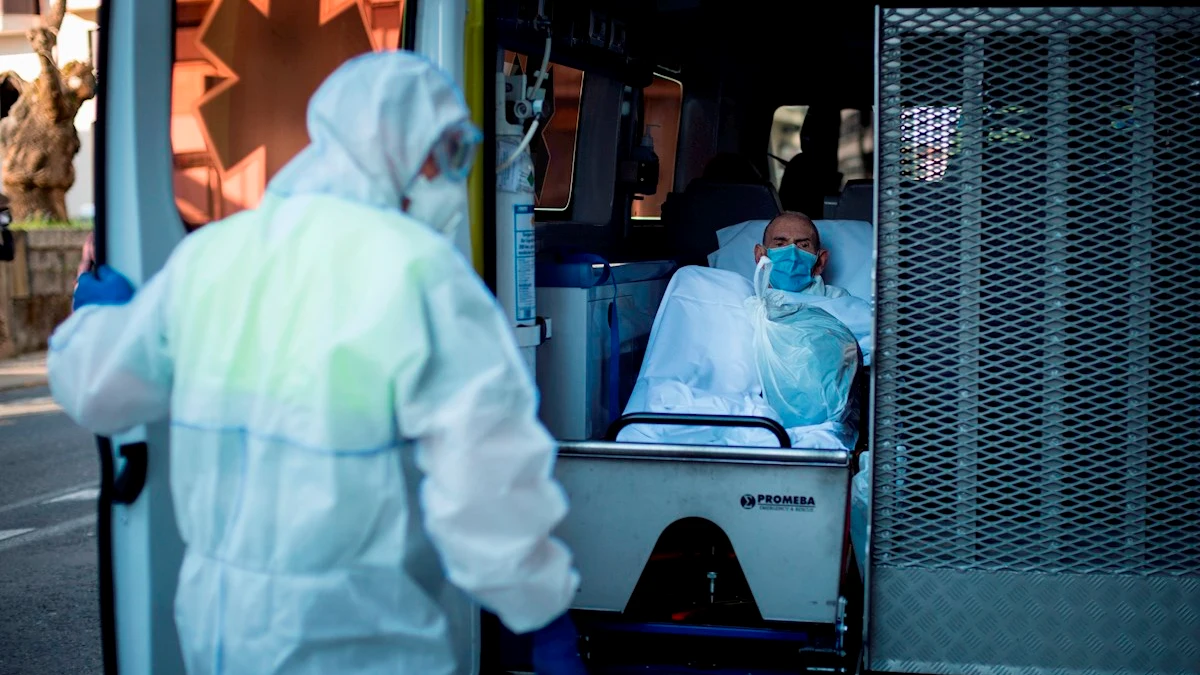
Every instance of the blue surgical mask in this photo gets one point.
(791, 268)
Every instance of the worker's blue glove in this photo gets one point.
(103, 286)
(556, 649)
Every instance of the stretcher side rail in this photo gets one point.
(687, 420)
(704, 453)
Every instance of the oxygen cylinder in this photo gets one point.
(515, 287)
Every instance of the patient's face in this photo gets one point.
(791, 232)
(795, 231)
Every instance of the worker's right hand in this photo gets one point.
(556, 649)
(104, 286)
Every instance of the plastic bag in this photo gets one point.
(806, 358)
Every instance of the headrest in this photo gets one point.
(851, 246)
(857, 200)
(800, 188)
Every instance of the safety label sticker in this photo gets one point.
(518, 175)
(524, 251)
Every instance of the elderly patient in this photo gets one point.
(793, 244)
(702, 356)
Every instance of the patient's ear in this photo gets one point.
(822, 260)
(759, 252)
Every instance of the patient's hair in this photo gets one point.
(793, 215)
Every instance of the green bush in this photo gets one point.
(76, 224)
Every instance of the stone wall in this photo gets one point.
(36, 287)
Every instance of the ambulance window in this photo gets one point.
(662, 101)
(243, 74)
(554, 147)
(785, 138)
(929, 136)
(856, 142)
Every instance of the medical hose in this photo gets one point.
(537, 84)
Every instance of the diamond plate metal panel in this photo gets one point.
(1012, 623)
(1037, 407)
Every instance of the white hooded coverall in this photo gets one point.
(351, 421)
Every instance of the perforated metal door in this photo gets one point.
(1037, 384)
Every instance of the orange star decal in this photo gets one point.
(272, 55)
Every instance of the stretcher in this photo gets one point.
(708, 540)
(687, 552)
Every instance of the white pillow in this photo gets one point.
(851, 246)
(735, 252)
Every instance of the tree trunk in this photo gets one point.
(39, 137)
(39, 169)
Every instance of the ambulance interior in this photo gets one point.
(660, 125)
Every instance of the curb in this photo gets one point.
(24, 372)
(24, 384)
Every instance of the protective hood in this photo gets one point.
(371, 125)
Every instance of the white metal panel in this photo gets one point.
(142, 227)
(440, 36)
(791, 554)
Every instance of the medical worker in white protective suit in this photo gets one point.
(351, 422)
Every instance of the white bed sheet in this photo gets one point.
(700, 360)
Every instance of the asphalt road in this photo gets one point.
(49, 606)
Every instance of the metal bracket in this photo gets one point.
(533, 335)
(839, 627)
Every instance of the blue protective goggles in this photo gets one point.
(455, 151)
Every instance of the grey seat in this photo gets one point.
(856, 202)
(801, 189)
